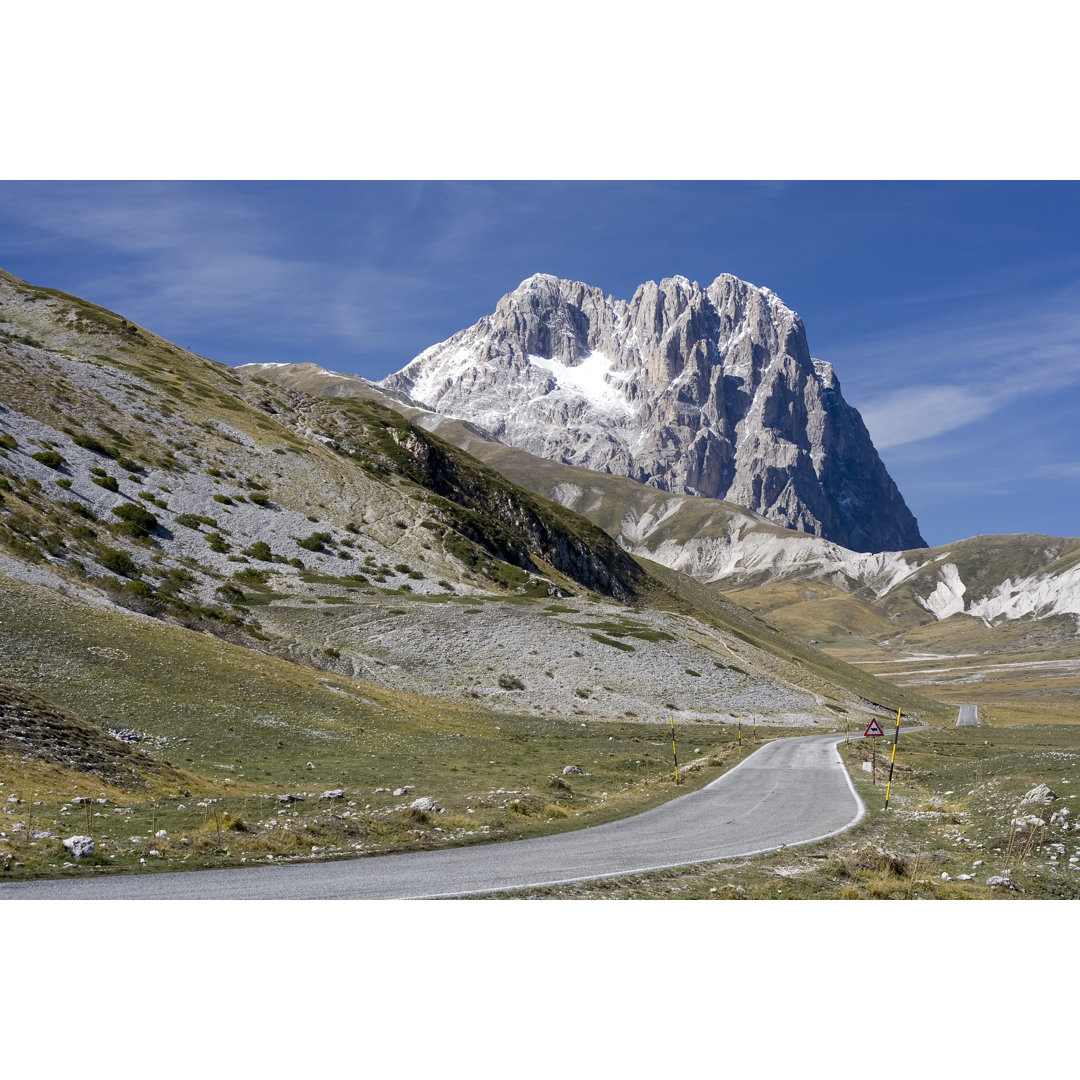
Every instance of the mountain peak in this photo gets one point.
(703, 391)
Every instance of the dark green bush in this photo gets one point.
(8, 442)
(135, 520)
(251, 576)
(88, 442)
(118, 562)
(80, 510)
(107, 482)
(314, 542)
(230, 594)
(49, 458)
(223, 499)
(259, 550)
(217, 543)
(189, 521)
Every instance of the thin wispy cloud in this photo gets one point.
(196, 257)
(921, 385)
(1063, 470)
(905, 416)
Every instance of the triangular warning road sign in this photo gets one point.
(873, 728)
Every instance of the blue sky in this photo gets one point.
(950, 310)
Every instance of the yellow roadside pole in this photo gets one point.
(892, 760)
(740, 734)
(673, 752)
(847, 737)
(755, 727)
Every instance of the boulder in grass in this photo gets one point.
(81, 847)
(337, 793)
(425, 803)
(572, 770)
(1040, 794)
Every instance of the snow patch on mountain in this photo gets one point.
(948, 595)
(590, 379)
(1040, 596)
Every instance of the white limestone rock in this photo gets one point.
(81, 847)
(1040, 794)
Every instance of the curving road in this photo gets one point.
(791, 791)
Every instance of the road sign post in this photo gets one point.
(873, 731)
(892, 760)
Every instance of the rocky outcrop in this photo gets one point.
(699, 391)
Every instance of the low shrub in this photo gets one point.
(135, 520)
(50, 458)
(315, 541)
(88, 442)
(252, 576)
(117, 562)
(79, 510)
(109, 483)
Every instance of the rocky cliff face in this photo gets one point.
(700, 391)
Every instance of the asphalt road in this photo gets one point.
(790, 791)
(968, 716)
